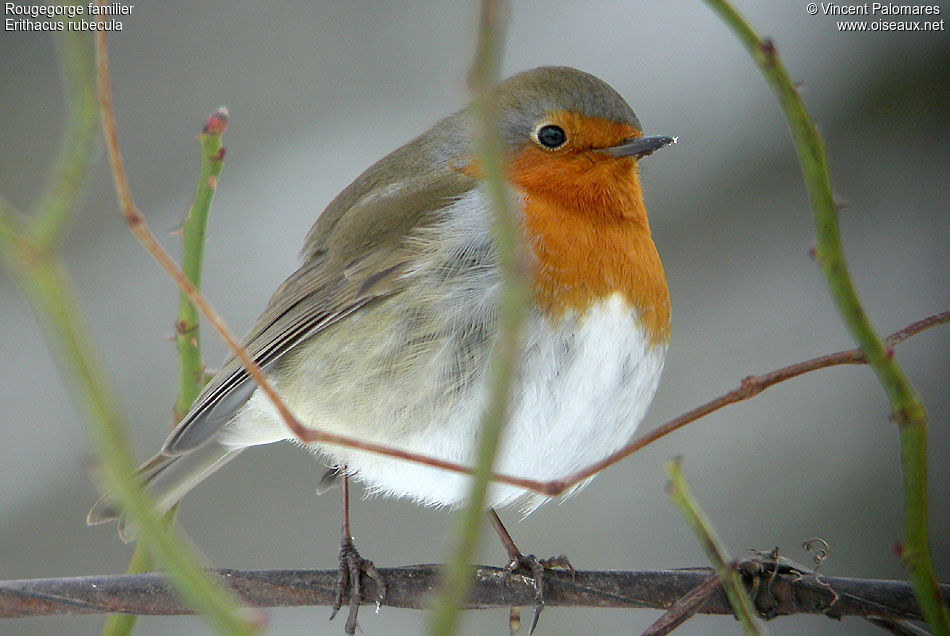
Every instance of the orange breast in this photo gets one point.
(585, 220)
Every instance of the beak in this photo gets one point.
(639, 147)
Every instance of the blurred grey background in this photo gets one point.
(320, 90)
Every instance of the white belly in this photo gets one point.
(585, 386)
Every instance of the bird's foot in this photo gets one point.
(352, 566)
(535, 568)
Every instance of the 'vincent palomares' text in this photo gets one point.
(876, 8)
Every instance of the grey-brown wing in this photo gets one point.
(345, 274)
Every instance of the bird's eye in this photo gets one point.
(551, 136)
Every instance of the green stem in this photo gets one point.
(47, 285)
(906, 406)
(190, 364)
(75, 155)
(699, 523)
(512, 311)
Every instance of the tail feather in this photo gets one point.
(167, 479)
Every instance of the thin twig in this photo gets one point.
(411, 586)
(907, 410)
(726, 570)
(685, 607)
(750, 387)
(30, 255)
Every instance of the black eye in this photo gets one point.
(551, 136)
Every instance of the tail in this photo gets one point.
(168, 479)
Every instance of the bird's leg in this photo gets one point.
(529, 563)
(352, 565)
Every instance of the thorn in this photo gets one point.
(898, 548)
(767, 47)
(813, 252)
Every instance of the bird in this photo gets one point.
(386, 331)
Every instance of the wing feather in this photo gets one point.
(339, 277)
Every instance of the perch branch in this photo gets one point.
(787, 592)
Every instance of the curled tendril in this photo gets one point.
(822, 550)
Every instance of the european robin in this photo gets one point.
(385, 332)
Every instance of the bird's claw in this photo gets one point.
(352, 566)
(536, 567)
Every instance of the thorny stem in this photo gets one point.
(187, 337)
(907, 410)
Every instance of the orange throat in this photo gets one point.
(587, 225)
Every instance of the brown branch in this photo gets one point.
(135, 219)
(786, 592)
(751, 385)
